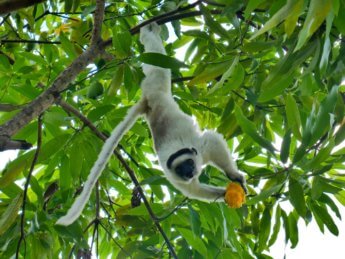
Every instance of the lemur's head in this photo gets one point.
(184, 164)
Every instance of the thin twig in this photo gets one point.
(26, 187)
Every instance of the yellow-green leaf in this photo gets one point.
(12, 172)
(293, 116)
(291, 20)
(210, 72)
(279, 16)
(10, 214)
(226, 75)
(317, 13)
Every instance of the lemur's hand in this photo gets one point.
(239, 178)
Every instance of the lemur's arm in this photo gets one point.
(103, 157)
(205, 192)
(216, 152)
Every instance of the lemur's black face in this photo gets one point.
(182, 163)
(185, 169)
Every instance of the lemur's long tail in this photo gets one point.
(108, 148)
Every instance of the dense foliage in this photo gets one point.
(266, 74)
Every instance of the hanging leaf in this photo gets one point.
(228, 73)
(161, 60)
(265, 229)
(285, 148)
(282, 75)
(10, 215)
(323, 215)
(293, 116)
(210, 72)
(317, 13)
(249, 128)
(290, 8)
(296, 196)
(194, 241)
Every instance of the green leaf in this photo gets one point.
(292, 19)
(194, 241)
(293, 229)
(226, 75)
(279, 16)
(293, 116)
(12, 171)
(68, 5)
(322, 213)
(276, 227)
(10, 215)
(264, 195)
(215, 26)
(68, 46)
(265, 229)
(327, 44)
(122, 41)
(249, 128)
(323, 117)
(161, 60)
(321, 185)
(321, 156)
(285, 148)
(296, 196)
(282, 75)
(210, 72)
(194, 219)
(251, 6)
(317, 13)
(116, 82)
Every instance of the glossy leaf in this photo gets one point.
(317, 13)
(296, 196)
(293, 116)
(161, 60)
(323, 214)
(291, 7)
(249, 128)
(9, 216)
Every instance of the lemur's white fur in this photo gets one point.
(172, 131)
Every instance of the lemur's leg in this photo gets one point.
(157, 79)
(215, 151)
(149, 36)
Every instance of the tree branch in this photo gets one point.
(97, 23)
(7, 6)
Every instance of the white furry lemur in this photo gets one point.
(181, 147)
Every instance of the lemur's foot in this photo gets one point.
(149, 31)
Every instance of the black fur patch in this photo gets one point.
(180, 153)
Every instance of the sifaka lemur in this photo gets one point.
(181, 147)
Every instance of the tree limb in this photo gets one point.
(7, 6)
